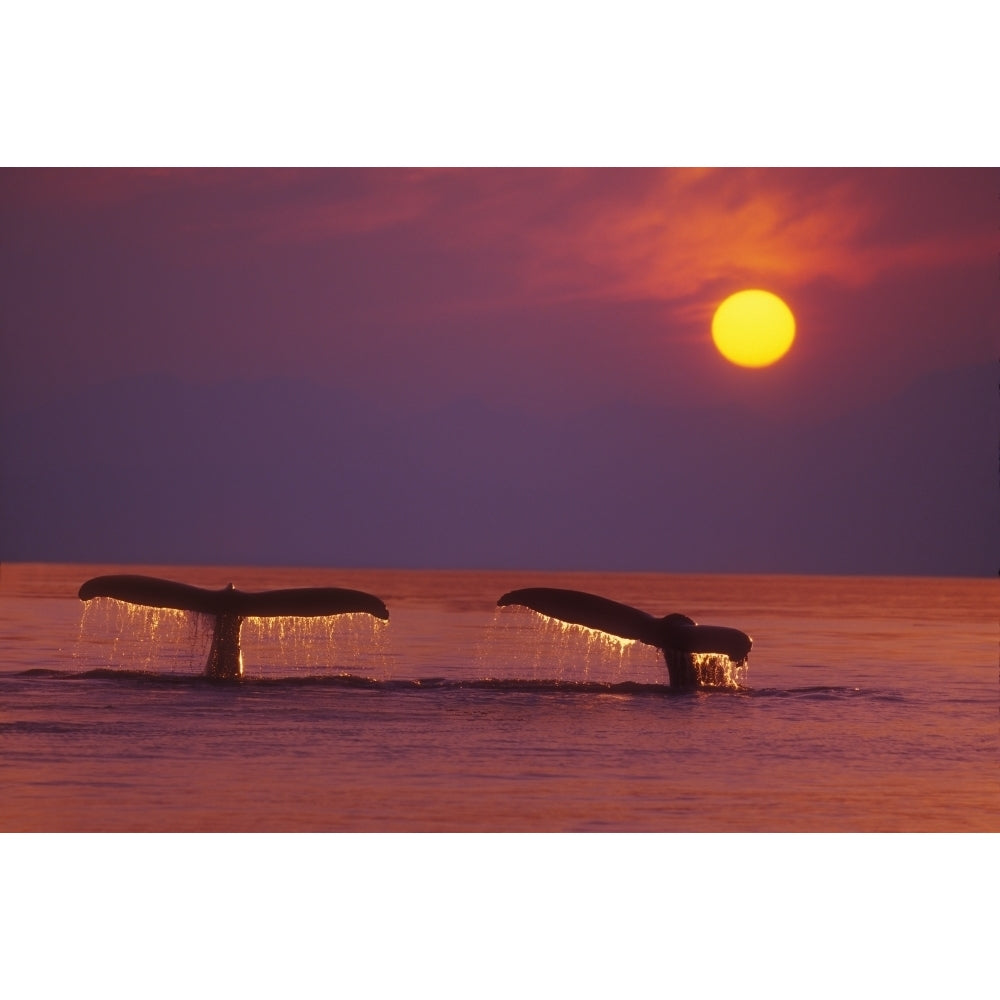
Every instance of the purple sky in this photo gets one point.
(498, 368)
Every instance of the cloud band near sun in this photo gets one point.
(682, 237)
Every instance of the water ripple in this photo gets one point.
(347, 680)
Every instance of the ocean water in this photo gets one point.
(867, 705)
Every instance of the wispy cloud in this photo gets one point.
(678, 237)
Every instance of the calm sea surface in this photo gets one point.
(868, 705)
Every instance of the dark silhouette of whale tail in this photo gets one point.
(680, 638)
(230, 607)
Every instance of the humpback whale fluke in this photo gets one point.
(678, 636)
(230, 607)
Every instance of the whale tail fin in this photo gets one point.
(588, 610)
(230, 607)
(680, 638)
(300, 602)
(150, 592)
(688, 637)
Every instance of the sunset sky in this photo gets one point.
(498, 368)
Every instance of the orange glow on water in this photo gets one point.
(845, 664)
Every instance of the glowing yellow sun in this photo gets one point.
(753, 328)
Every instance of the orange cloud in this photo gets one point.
(679, 237)
(674, 236)
(691, 232)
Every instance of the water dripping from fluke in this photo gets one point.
(229, 608)
(697, 656)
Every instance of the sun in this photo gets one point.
(753, 328)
